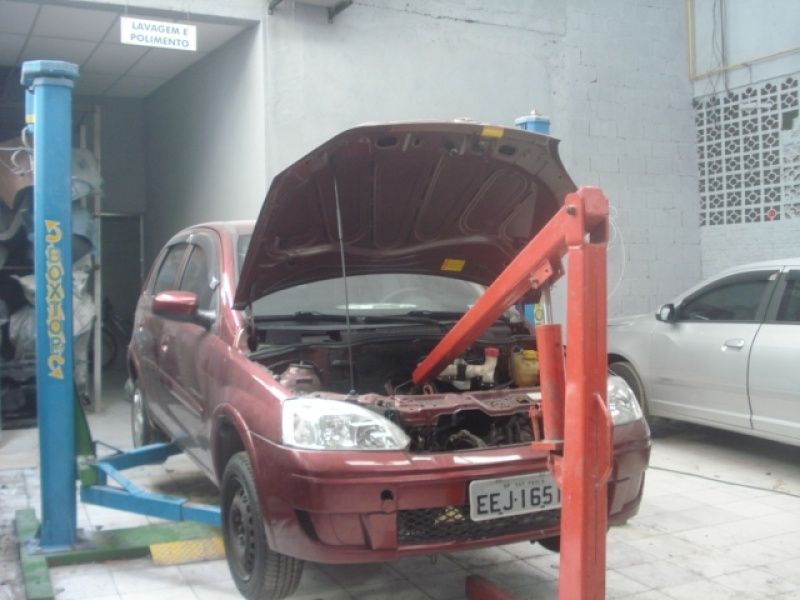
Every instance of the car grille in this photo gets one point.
(453, 523)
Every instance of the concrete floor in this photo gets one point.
(720, 519)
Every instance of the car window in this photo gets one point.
(735, 298)
(241, 251)
(168, 271)
(789, 308)
(374, 295)
(197, 278)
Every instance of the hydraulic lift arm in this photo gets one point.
(536, 265)
(577, 425)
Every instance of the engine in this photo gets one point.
(473, 403)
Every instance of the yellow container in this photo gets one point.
(526, 368)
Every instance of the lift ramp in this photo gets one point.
(128, 496)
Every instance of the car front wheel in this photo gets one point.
(553, 544)
(258, 572)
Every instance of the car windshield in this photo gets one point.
(374, 294)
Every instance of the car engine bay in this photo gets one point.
(474, 402)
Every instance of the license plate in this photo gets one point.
(509, 496)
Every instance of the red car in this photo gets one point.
(278, 354)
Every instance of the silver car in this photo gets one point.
(726, 353)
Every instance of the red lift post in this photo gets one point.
(575, 417)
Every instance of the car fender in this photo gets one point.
(227, 413)
(629, 340)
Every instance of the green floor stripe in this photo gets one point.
(134, 542)
(35, 573)
(114, 544)
(36, 576)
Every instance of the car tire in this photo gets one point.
(258, 572)
(628, 373)
(143, 431)
(552, 543)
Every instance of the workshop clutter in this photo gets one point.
(17, 282)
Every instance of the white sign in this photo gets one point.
(158, 34)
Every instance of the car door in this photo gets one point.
(699, 360)
(775, 363)
(196, 343)
(154, 336)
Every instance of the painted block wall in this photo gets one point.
(750, 29)
(629, 128)
(205, 142)
(733, 245)
(611, 75)
(122, 141)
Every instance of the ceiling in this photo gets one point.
(90, 37)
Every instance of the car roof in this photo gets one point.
(240, 227)
(754, 266)
(781, 262)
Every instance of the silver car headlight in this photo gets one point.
(324, 424)
(622, 402)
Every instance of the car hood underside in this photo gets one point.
(454, 199)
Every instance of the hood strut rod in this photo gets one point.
(340, 234)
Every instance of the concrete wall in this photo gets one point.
(743, 32)
(392, 60)
(205, 141)
(628, 126)
(611, 75)
(122, 150)
(740, 244)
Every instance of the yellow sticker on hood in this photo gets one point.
(456, 265)
(493, 132)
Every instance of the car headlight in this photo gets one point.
(622, 402)
(323, 424)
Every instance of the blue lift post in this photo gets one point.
(54, 539)
(51, 83)
(49, 117)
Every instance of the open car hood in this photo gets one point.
(453, 199)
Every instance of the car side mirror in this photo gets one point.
(174, 304)
(182, 306)
(667, 313)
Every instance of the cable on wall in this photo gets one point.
(616, 232)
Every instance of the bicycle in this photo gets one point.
(116, 330)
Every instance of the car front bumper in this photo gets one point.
(354, 507)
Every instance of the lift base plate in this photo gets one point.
(115, 544)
